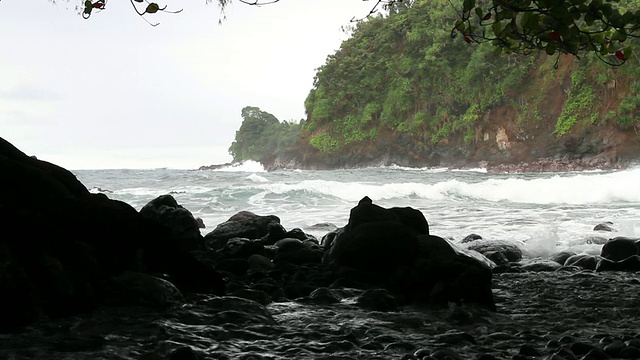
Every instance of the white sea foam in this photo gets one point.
(257, 178)
(245, 166)
(478, 170)
(592, 188)
(422, 169)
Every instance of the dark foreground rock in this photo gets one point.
(620, 248)
(392, 248)
(185, 228)
(60, 244)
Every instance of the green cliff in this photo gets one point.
(401, 90)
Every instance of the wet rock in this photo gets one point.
(237, 267)
(470, 238)
(400, 346)
(326, 227)
(244, 224)
(133, 288)
(455, 337)
(377, 300)
(322, 296)
(486, 357)
(605, 226)
(241, 248)
(497, 257)
(632, 263)
(446, 354)
(596, 354)
(529, 350)
(417, 266)
(63, 246)
(595, 240)
(584, 261)
(297, 252)
(562, 256)
(630, 352)
(541, 265)
(185, 229)
(261, 297)
(238, 311)
(258, 262)
(297, 289)
(581, 348)
(614, 348)
(620, 248)
(368, 247)
(184, 353)
(510, 250)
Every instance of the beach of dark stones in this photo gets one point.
(541, 315)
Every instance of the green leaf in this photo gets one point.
(550, 49)
(589, 19)
(479, 13)
(497, 28)
(467, 5)
(152, 8)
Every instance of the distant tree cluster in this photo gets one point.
(262, 134)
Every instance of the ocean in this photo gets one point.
(544, 212)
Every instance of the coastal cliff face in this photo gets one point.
(521, 136)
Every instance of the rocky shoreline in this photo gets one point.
(147, 285)
(543, 315)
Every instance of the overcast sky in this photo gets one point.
(114, 92)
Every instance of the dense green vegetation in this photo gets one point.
(262, 134)
(404, 73)
(575, 27)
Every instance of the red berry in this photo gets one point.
(467, 39)
(620, 55)
(554, 36)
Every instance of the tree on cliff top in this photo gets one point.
(261, 135)
(512, 26)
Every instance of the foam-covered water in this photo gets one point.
(545, 212)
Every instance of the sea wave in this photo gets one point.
(245, 166)
(582, 188)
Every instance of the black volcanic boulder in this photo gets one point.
(562, 256)
(392, 249)
(297, 252)
(185, 229)
(605, 226)
(510, 250)
(244, 224)
(632, 263)
(584, 261)
(377, 248)
(447, 273)
(620, 248)
(59, 243)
